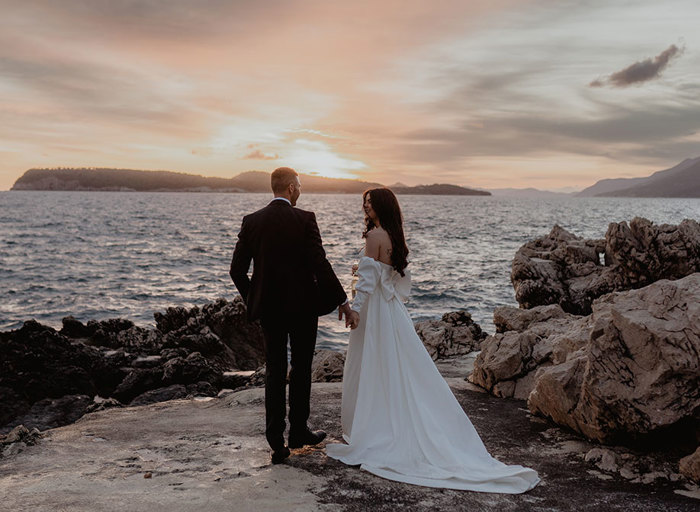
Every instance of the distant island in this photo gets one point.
(102, 179)
(531, 193)
(682, 180)
(439, 189)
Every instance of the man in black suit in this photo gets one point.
(292, 284)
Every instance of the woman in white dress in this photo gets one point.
(400, 419)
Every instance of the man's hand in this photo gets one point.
(352, 318)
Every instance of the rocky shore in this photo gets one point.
(609, 346)
(51, 378)
(594, 381)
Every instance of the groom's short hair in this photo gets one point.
(281, 178)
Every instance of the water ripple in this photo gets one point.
(97, 255)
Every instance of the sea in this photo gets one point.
(99, 255)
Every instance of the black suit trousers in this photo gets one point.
(300, 332)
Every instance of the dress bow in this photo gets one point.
(373, 273)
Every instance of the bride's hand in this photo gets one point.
(354, 269)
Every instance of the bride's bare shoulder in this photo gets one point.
(379, 234)
(378, 245)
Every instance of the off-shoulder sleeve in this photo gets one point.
(368, 276)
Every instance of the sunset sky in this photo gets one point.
(489, 94)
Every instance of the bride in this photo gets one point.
(400, 420)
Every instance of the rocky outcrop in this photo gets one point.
(526, 340)
(36, 363)
(561, 268)
(50, 378)
(219, 331)
(454, 334)
(630, 369)
(639, 371)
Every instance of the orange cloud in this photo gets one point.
(259, 155)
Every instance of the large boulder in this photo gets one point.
(628, 370)
(639, 371)
(561, 268)
(526, 340)
(454, 334)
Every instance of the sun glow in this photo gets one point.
(318, 159)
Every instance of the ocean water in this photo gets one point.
(98, 255)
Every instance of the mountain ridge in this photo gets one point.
(111, 179)
(681, 180)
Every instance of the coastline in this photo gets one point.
(185, 426)
(189, 454)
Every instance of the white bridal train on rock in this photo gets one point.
(400, 419)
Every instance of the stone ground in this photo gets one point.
(187, 455)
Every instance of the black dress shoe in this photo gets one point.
(306, 438)
(279, 455)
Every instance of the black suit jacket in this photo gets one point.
(291, 275)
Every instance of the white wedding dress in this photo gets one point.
(399, 417)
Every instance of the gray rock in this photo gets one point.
(12, 449)
(138, 381)
(236, 379)
(191, 369)
(639, 371)
(147, 361)
(690, 466)
(258, 377)
(101, 404)
(219, 330)
(454, 334)
(54, 412)
(628, 370)
(327, 366)
(117, 359)
(606, 460)
(160, 395)
(509, 360)
(21, 434)
(561, 268)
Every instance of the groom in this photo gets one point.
(292, 285)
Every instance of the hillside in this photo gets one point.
(440, 189)
(527, 193)
(682, 180)
(167, 181)
(156, 181)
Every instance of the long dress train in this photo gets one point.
(400, 419)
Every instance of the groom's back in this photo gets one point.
(283, 281)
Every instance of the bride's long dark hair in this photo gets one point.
(386, 206)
